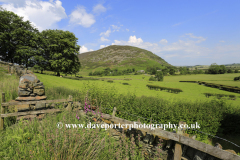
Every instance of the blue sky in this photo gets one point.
(183, 32)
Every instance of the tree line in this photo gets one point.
(21, 43)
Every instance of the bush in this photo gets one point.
(229, 71)
(236, 78)
(159, 75)
(110, 81)
(125, 83)
(152, 78)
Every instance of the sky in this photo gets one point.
(182, 32)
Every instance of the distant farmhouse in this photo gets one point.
(142, 71)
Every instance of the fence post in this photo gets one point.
(2, 112)
(178, 146)
(114, 111)
(69, 107)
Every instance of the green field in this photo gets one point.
(191, 91)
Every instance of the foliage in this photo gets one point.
(159, 76)
(18, 39)
(173, 90)
(60, 52)
(229, 71)
(109, 72)
(152, 78)
(236, 78)
(172, 71)
(216, 69)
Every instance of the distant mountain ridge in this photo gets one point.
(117, 56)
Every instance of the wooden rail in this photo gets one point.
(35, 102)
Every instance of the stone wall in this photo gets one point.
(30, 89)
(19, 70)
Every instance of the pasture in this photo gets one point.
(191, 91)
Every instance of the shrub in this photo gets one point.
(152, 78)
(110, 81)
(125, 83)
(236, 78)
(159, 75)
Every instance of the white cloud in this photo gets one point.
(99, 9)
(163, 41)
(80, 17)
(133, 39)
(102, 46)
(115, 27)
(42, 14)
(104, 39)
(177, 49)
(84, 49)
(133, 31)
(200, 39)
(127, 29)
(222, 41)
(107, 33)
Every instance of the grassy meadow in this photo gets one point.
(191, 91)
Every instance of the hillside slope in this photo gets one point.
(119, 56)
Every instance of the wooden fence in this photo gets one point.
(4, 105)
(178, 137)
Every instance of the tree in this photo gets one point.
(18, 38)
(59, 52)
(229, 71)
(172, 71)
(159, 75)
(200, 71)
(153, 71)
(236, 71)
(165, 71)
(214, 69)
(222, 69)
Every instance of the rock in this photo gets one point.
(23, 93)
(39, 87)
(23, 85)
(37, 84)
(39, 92)
(32, 94)
(40, 105)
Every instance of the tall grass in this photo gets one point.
(8, 85)
(43, 140)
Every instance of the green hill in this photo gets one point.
(116, 56)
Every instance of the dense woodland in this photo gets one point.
(21, 43)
